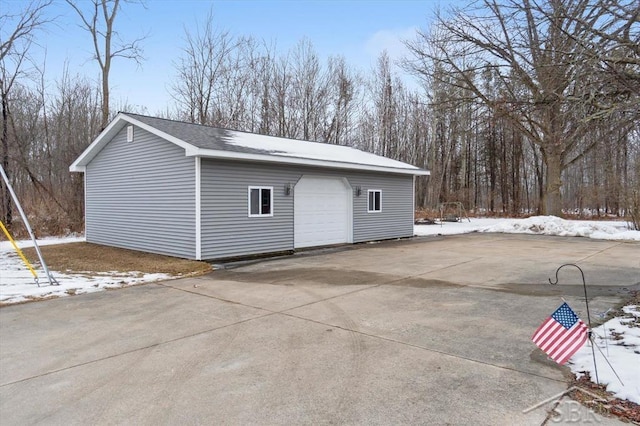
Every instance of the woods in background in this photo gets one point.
(515, 107)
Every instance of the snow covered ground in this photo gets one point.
(621, 342)
(17, 283)
(542, 225)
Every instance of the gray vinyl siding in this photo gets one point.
(397, 215)
(227, 230)
(141, 195)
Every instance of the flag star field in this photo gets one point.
(565, 316)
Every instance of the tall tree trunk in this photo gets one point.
(553, 184)
(99, 22)
(106, 67)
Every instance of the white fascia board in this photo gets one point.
(211, 153)
(97, 144)
(192, 151)
(111, 130)
(182, 144)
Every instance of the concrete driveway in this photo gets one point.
(425, 331)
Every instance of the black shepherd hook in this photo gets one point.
(584, 284)
(586, 302)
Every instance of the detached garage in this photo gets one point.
(201, 192)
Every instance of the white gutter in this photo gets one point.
(283, 159)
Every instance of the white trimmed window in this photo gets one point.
(375, 200)
(260, 201)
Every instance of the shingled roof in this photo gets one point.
(212, 142)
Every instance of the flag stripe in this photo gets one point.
(562, 339)
(564, 356)
(567, 339)
(576, 337)
(543, 329)
(547, 333)
(573, 335)
(561, 335)
(550, 336)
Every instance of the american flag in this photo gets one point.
(561, 335)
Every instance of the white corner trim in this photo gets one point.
(413, 198)
(349, 188)
(198, 208)
(84, 184)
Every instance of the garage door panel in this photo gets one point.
(321, 212)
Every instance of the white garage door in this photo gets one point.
(322, 213)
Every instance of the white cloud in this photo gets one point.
(391, 41)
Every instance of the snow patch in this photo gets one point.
(18, 285)
(619, 340)
(313, 150)
(539, 225)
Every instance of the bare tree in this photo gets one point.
(536, 51)
(107, 45)
(611, 38)
(346, 87)
(310, 97)
(201, 70)
(384, 90)
(17, 32)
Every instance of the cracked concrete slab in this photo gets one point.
(423, 331)
(37, 338)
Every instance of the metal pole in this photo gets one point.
(586, 301)
(26, 224)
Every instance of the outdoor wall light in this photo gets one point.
(358, 191)
(287, 189)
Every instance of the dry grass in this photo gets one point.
(87, 257)
(625, 410)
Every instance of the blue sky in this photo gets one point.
(358, 30)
